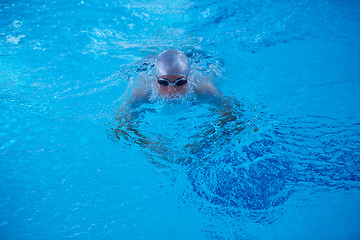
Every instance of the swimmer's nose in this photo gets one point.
(172, 88)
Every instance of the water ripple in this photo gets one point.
(256, 179)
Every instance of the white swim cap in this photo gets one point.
(172, 62)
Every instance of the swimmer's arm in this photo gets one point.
(138, 96)
(230, 109)
(206, 91)
(125, 115)
(140, 92)
(223, 128)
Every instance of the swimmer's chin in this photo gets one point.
(172, 96)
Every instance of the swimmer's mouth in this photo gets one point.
(173, 96)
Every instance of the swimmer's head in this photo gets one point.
(172, 62)
(172, 69)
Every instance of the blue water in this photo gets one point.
(289, 69)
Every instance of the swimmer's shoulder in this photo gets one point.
(206, 88)
(141, 90)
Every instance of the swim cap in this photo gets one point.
(172, 62)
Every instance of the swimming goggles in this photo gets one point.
(164, 82)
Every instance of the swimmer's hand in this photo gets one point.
(219, 132)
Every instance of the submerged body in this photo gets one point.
(173, 82)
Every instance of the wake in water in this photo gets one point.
(253, 179)
(178, 131)
(236, 160)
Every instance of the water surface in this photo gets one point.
(291, 66)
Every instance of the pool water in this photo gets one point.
(285, 165)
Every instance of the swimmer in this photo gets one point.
(172, 80)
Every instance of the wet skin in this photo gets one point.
(171, 91)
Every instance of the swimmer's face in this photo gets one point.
(172, 91)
